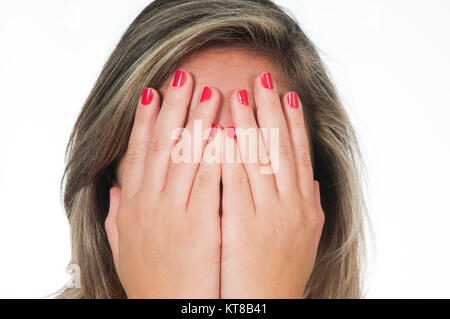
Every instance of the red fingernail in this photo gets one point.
(179, 79)
(242, 96)
(266, 80)
(231, 132)
(147, 96)
(293, 99)
(206, 95)
(214, 128)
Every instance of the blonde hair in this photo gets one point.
(161, 37)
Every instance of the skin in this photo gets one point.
(216, 230)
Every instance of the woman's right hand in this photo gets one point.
(165, 238)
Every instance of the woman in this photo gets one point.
(144, 225)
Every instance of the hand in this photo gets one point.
(165, 238)
(271, 223)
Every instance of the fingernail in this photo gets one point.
(179, 79)
(231, 132)
(147, 96)
(242, 96)
(214, 128)
(206, 94)
(293, 100)
(266, 80)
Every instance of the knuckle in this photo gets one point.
(172, 103)
(202, 179)
(303, 157)
(245, 114)
(202, 111)
(156, 144)
(285, 148)
(141, 117)
(238, 181)
(315, 220)
(135, 153)
(271, 100)
(248, 118)
(169, 102)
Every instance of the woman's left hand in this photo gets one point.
(271, 223)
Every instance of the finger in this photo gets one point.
(248, 140)
(134, 159)
(172, 116)
(111, 222)
(204, 200)
(237, 200)
(270, 116)
(293, 111)
(319, 209)
(183, 168)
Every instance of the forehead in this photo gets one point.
(230, 68)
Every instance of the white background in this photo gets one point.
(389, 60)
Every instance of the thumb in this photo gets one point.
(111, 222)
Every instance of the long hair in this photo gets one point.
(156, 43)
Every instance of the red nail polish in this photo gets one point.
(147, 96)
(242, 96)
(206, 95)
(293, 100)
(214, 128)
(231, 132)
(179, 79)
(266, 80)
